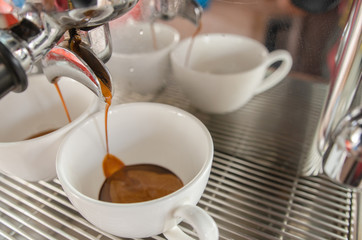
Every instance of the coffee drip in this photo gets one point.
(189, 50)
(111, 163)
(62, 99)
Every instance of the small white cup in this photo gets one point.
(225, 71)
(140, 63)
(140, 133)
(36, 110)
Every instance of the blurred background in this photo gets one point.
(307, 29)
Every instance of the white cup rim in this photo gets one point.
(58, 131)
(204, 169)
(61, 129)
(186, 41)
(175, 40)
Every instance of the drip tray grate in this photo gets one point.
(255, 190)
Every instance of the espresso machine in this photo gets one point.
(286, 166)
(36, 31)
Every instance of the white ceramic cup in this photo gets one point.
(140, 63)
(225, 71)
(36, 110)
(140, 133)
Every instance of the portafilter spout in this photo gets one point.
(83, 66)
(37, 27)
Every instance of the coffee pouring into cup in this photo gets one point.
(70, 37)
(59, 34)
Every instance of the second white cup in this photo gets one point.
(33, 112)
(224, 71)
(140, 63)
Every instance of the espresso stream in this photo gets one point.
(65, 109)
(138, 183)
(189, 50)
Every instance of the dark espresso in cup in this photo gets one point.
(133, 183)
(139, 183)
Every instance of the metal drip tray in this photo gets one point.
(255, 190)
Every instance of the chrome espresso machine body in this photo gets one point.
(36, 31)
(340, 125)
(39, 26)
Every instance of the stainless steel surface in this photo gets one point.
(152, 10)
(345, 81)
(79, 13)
(254, 191)
(39, 25)
(100, 41)
(16, 46)
(84, 66)
(343, 163)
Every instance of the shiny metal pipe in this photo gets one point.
(335, 123)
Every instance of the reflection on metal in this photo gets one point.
(41, 25)
(61, 62)
(169, 9)
(343, 162)
(343, 88)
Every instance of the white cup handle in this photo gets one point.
(202, 223)
(279, 74)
